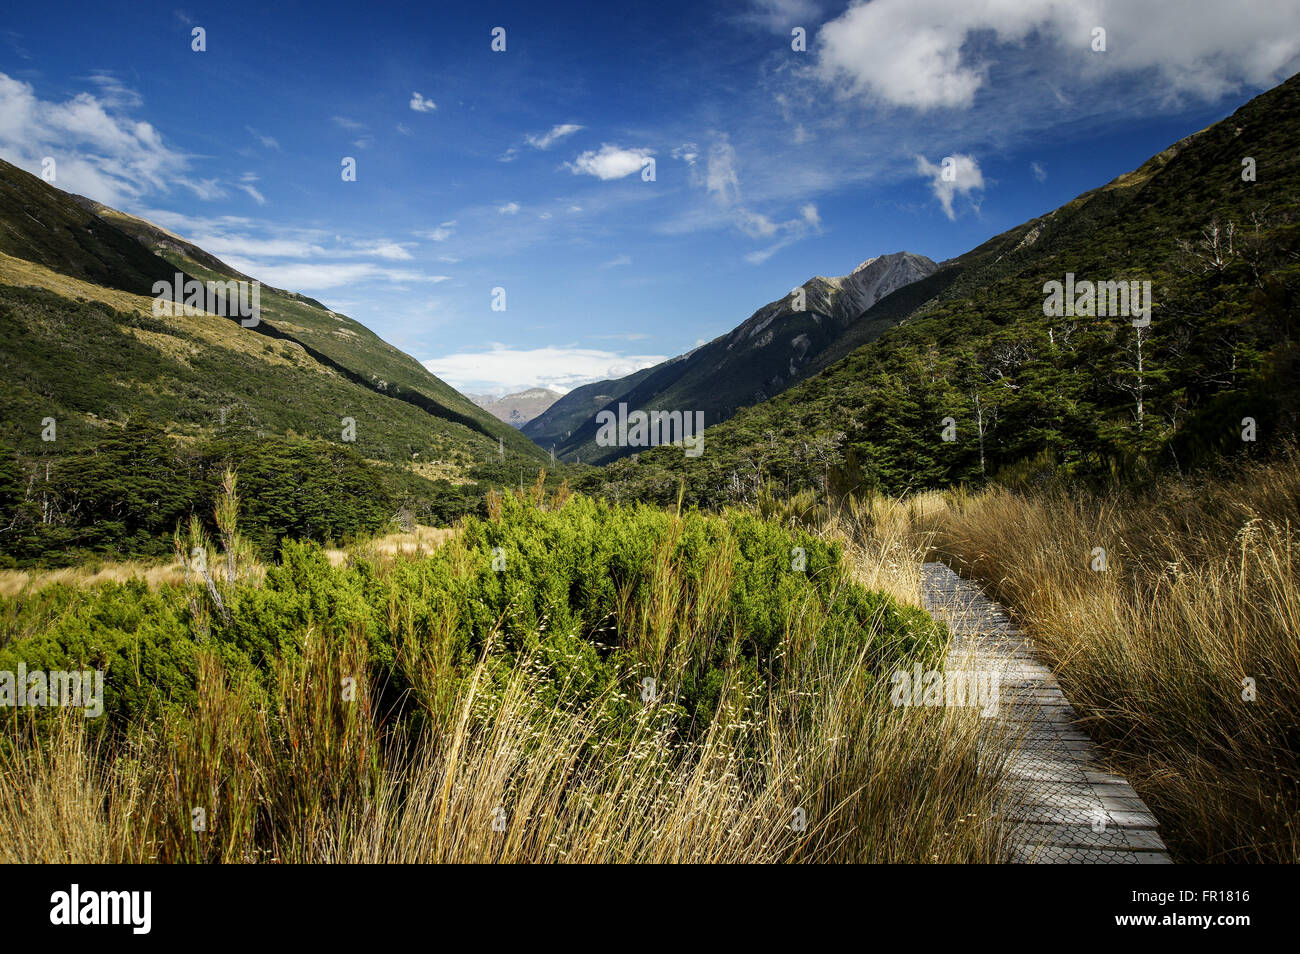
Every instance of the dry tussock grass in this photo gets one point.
(1183, 654)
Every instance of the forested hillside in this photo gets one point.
(115, 422)
(1016, 391)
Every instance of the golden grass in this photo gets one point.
(18, 582)
(885, 544)
(819, 767)
(516, 777)
(413, 545)
(452, 471)
(211, 329)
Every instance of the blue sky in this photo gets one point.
(523, 169)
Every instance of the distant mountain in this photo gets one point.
(979, 373)
(519, 408)
(561, 420)
(779, 345)
(82, 346)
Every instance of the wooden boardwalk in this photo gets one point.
(1068, 809)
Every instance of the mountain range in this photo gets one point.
(903, 373)
(519, 408)
(779, 345)
(975, 374)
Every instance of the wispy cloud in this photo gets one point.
(112, 92)
(422, 105)
(721, 179)
(100, 150)
(205, 189)
(954, 175)
(687, 152)
(808, 222)
(242, 239)
(780, 16)
(440, 234)
(268, 142)
(246, 183)
(548, 139)
(542, 141)
(309, 277)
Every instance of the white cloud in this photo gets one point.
(687, 152)
(349, 124)
(723, 182)
(928, 54)
(205, 189)
(310, 277)
(1039, 172)
(100, 151)
(610, 162)
(252, 191)
(113, 93)
(268, 142)
(510, 208)
(504, 369)
(440, 234)
(548, 139)
(422, 105)
(618, 260)
(236, 237)
(809, 221)
(382, 249)
(961, 176)
(780, 16)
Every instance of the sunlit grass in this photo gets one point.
(510, 761)
(1182, 655)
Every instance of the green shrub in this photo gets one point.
(602, 595)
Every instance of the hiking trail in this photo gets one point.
(1067, 808)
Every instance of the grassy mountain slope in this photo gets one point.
(1092, 395)
(51, 228)
(85, 349)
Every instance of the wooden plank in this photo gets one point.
(1069, 809)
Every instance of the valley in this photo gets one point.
(703, 545)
